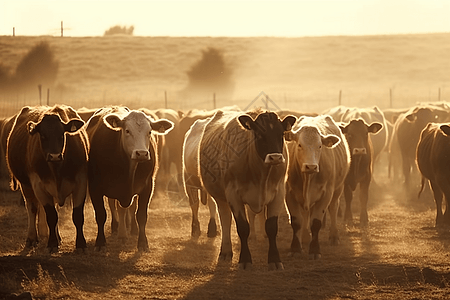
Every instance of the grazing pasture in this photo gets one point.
(399, 255)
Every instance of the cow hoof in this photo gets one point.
(334, 240)
(31, 243)
(212, 229)
(225, 257)
(276, 266)
(52, 250)
(80, 251)
(245, 266)
(99, 248)
(315, 256)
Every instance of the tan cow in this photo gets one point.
(319, 160)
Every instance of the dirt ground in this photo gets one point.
(401, 255)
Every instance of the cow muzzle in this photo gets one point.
(140, 155)
(274, 159)
(54, 157)
(359, 151)
(310, 168)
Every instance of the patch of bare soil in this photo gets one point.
(401, 255)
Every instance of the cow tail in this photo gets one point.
(14, 184)
(422, 186)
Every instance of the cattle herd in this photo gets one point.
(246, 166)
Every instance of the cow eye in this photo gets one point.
(299, 145)
(320, 147)
(127, 131)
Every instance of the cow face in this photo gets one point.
(52, 131)
(421, 116)
(268, 131)
(136, 129)
(357, 135)
(309, 142)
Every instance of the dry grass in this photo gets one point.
(297, 73)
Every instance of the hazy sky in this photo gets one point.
(225, 18)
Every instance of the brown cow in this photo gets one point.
(406, 136)
(47, 156)
(433, 159)
(319, 160)
(123, 163)
(242, 160)
(357, 134)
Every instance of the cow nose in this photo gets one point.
(140, 155)
(310, 168)
(54, 157)
(274, 158)
(359, 151)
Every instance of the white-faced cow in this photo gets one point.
(47, 155)
(433, 161)
(319, 160)
(122, 163)
(357, 133)
(243, 161)
(191, 179)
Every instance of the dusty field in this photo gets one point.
(400, 256)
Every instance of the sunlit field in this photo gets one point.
(401, 255)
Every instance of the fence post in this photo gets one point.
(165, 99)
(62, 29)
(390, 98)
(214, 100)
(439, 95)
(340, 97)
(14, 31)
(40, 93)
(48, 97)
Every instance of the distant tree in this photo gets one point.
(119, 30)
(210, 73)
(38, 66)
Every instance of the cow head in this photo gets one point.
(268, 131)
(52, 131)
(421, 116)
(136, 129)
(309, 141)
(357, 134)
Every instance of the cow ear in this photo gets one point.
(246, 121)
(161, 126)
(343, 127)
(32, 127)
(375, 127)
(113, 121)
(445, 128)
(73, 125)
(288, 122)
(330, 140)
(411, 118)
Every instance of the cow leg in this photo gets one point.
(194, 204)
(271, 226)
(32, 206)
(42, 226)
(141, 216)
(243, 230)
(212, 225)
(364, 198)
(79, 199)
(114, 215)
(348, 195)
(314, 246)
(226, 251)
(52, 221)
(438, 196)
(251, 220)
(122, 229)
(333, 209)
(134, 227)
(294, 212)
(100, 218)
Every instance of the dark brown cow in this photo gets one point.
(122, 163)
(242, 160)
(433, 161)
(406, 136)
(357, 134)
(318, 163)
(47, 155)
